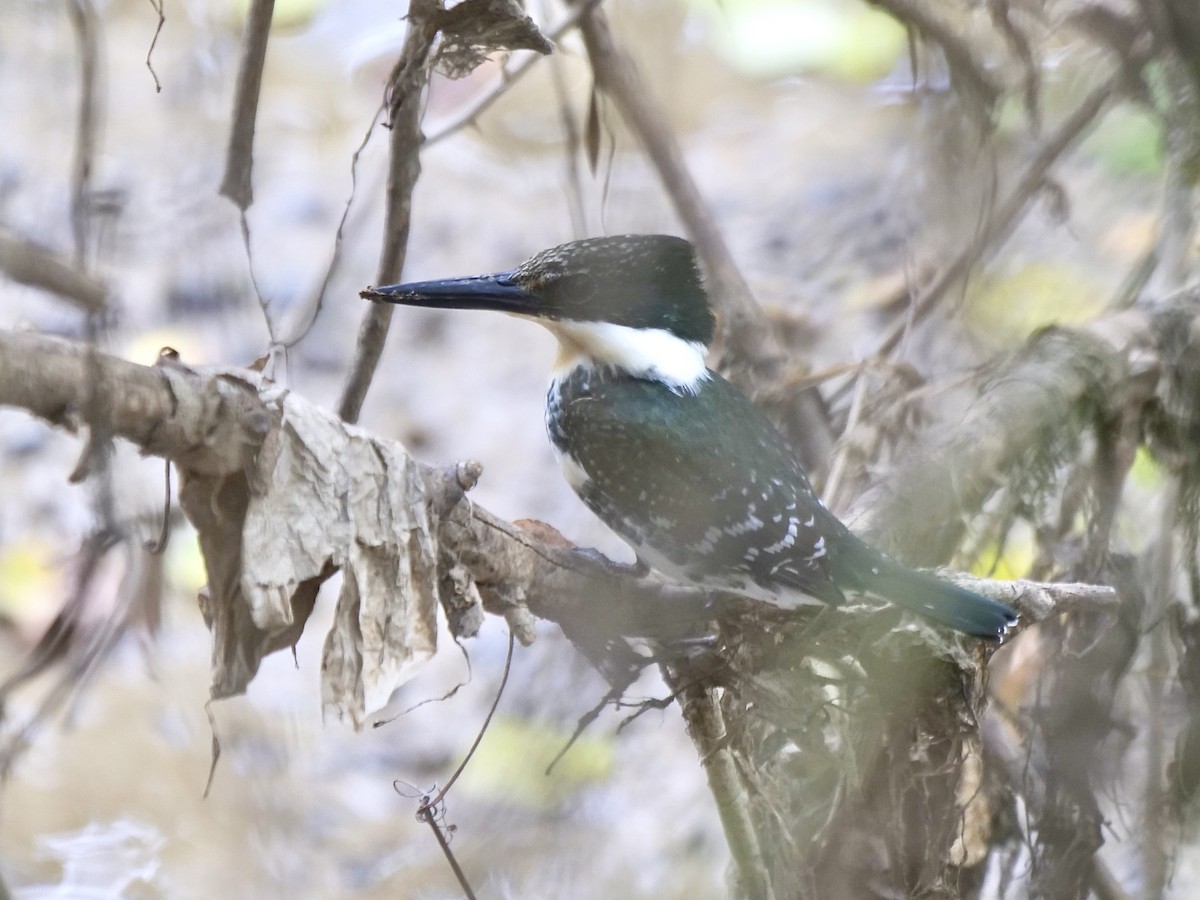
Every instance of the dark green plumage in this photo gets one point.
(723, 501)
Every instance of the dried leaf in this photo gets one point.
(474, 29)
(322, 497)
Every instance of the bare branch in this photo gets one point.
(239, 157)
(86, 24)
(28, 263)
(162, 20)
(405, 90)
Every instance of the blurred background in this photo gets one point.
(836, 175)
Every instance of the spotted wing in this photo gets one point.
(702, 486)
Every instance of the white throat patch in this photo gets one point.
(651, 353)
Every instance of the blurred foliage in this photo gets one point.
(1128, 141)
(184, 562)
(1008, 561)
(1006, 307)
(511, 761)
(769, 38)
(31, 583)
(1146, 472)
(287, 14)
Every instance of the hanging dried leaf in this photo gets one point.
(321, 497)
(474, 29)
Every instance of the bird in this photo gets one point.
(669, 454)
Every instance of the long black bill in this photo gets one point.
(496, 292)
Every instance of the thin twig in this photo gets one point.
(380, 723)
(441, 795)
(303, 322)
(263, 305)
(426, 815)
(612, 696)
(162, 20)
(427, 810)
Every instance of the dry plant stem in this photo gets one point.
(212, 425)
(1005, 216)
(162, 20)
(441, 795)
(83, 18)
(428, 810)
(427, 816)
(922, 16)
(744, 336)
(405, 91)
(27, 263)
(301, 324)
(1003, 745)
(1156, 803)
(239, 157)
(705, 726)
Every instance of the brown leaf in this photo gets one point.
(322, 497)
(474, 29)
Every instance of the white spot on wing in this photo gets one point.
(788, 539)
(573, 472)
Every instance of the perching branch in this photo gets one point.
(233, 442)
(31, 264)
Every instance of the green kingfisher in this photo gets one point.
(668, 453)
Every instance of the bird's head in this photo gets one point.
(632, 301)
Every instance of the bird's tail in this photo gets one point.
(961, 609)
